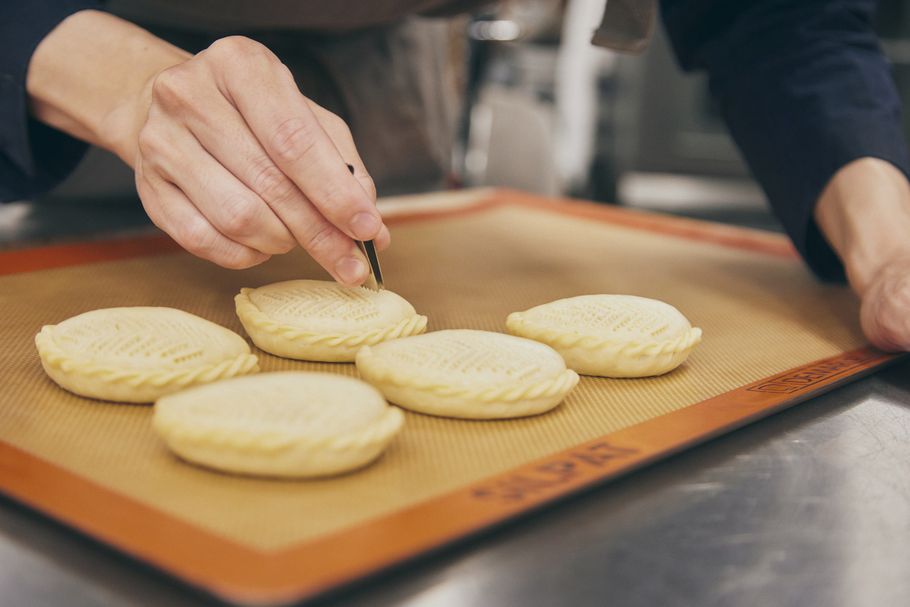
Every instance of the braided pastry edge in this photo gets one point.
(251, 316)
(518, 325)
(52, 355)
(170, 427)
(561, 384)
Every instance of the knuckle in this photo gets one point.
(197, 237)
(241, 258)
(271, 183)
(233, 46)
(891, 334)
(150, 141)
(277, 243)
(902, 293)
(281, 246)
(336, 124)
(320, 241)
(283, 71)
(883, 313)
(232, 51)
(171, 87)
(240, 218)
(338, 201)
(294, 139)
(286, 246)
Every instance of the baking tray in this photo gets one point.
(773, 337)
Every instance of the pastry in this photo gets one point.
(139, 354)
(323, 321)
(290, 424)
(468, 374)
(610, 335)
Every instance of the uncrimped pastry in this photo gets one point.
(468, 374)
(291, 424)
(323, 321)
(139, 354)
(611, 335)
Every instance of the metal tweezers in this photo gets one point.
(369, 250)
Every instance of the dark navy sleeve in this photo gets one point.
(804, 88)
(33, 157)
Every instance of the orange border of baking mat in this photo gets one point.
(238, 573)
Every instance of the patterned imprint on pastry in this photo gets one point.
(291, 424)
(323, 321)
(611, 335)
(139, 354)
(468, 374)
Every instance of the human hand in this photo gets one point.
(885, 312)
(237, 165)
(230, 159)
(864, 213)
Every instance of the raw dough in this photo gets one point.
(139, 354)
(290, 424)
(468, 374)
(611, 335)
(323, 321)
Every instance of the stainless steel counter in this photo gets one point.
(809, 507)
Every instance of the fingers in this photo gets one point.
(232, 208)
(340, 135)
(298, 142)
(226, 138)
(172, 211)
(885, 312)
(232, 150)
(325, 243)
(345, 144)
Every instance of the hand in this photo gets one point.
(236, 165)
(230, 159)
(885, 313)
(864, 213)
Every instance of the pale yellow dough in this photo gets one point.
(323, 321)
(468, 374)
(291, 424)
(611, 335)
(138, 354)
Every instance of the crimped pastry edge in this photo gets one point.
(485, 403)
(277, 455)
(293, 342)
(614, 358)
(134, 386)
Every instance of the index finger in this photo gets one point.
(291, 134)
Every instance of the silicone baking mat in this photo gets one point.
(772, 337)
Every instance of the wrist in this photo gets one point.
(864, 213)
(91, 75)
(118, 130)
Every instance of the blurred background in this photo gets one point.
(628, 130)
(543, 110)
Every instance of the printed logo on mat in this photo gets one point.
(806, 377)
(550, 477)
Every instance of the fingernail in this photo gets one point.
(351, 270)
(365, 226)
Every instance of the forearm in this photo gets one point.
(805, 90)
(87, 77)
(864, 213)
